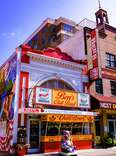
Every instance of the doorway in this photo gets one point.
(112, 127)
(34, 138)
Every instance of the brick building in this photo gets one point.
(99, 49)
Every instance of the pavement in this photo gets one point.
(89, 152)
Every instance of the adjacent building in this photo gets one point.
(97, 45)
(51, 33)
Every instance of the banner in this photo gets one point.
(64, 98)
(83, 100)
(94, 72)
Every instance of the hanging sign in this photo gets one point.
(43, 95)
(83, 100)
(94, 72)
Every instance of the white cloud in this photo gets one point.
(8, 34)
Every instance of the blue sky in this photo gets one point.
(19, 18)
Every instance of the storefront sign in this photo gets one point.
(108, 105)
(43, 95)
(94, 73)
(60, 98)
(83, 100)
(64, 98)
(67, 118)
(55, 111)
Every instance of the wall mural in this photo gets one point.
(7, 92)
(7, 87)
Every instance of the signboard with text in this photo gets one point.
(66, 118)
(94, 72)
(43, 95)
(64, 98)
(111, 106)
(58, 97)
(83, 100)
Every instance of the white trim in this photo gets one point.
(55, 111)
(16, 100)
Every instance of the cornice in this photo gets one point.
(54, 61)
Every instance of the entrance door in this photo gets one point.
(34, 135)
(112, 127)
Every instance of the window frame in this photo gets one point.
(110, 60)
(113, 87)
(99, 86)
(68, 28)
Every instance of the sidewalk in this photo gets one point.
(90, 152)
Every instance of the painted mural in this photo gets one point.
(7, 94)
(7, 89)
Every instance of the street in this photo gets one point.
(90, 152)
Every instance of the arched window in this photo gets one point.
(56, 84)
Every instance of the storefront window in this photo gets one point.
(43, 128)
(52, 128)
(97, 127)
(86, 128)
(65, 126)
(77, 128)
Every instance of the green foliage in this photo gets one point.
(107, 141)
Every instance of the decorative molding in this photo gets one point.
(54, 61)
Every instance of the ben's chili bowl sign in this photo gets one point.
(64, 98)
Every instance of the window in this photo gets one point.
(65, 126)
(43, 128)
(97, 127)
(110, 60)
(113, 87)
(52, 129)
(56, 84)
(99, 86)
(68, 28)
(66, 37)
(57, 128)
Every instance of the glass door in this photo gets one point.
(34, 134)
(112, 127)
